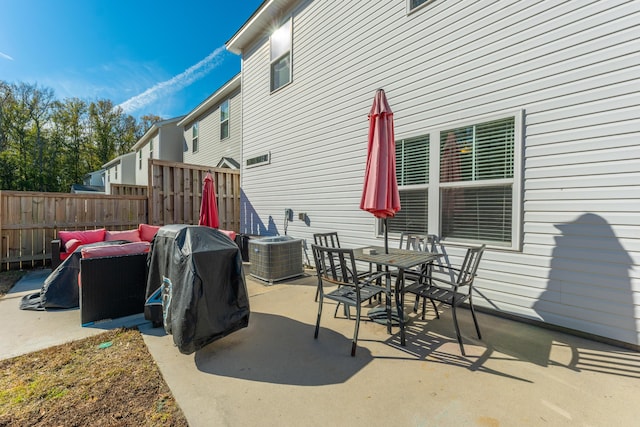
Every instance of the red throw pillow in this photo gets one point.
(86, 237)
(72, 245)
(130, 235)
(115, 250)
(148, 232)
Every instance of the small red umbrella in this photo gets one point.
(380, 194)
(208, 206)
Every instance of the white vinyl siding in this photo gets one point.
(572, 68)
(211, 147)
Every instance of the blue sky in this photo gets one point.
(148, 56)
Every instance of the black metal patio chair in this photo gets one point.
(450, 286)
(336, 266)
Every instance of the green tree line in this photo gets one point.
(48, 144)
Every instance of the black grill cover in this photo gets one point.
(197, 271)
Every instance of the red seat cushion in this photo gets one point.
(115, 250)
(230, 234)
(130, 235)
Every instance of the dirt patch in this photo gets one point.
(106, 380)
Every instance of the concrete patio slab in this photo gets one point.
(25, 331)
(274, 373)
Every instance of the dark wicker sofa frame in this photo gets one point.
(55, 253)
(112, 286)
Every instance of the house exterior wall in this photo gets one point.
(170, 143)
(211, 148)
(120, 171)
(144, 152)
(128, 163)
(110, 176)
(571, 69)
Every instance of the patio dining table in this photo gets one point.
(401, 259)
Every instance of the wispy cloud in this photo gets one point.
(174, 84)
(5, 56)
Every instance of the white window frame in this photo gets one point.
(195, 137)
(279, 58)
(225, 121)
(140, 159)
(434, 186)
(151, 148)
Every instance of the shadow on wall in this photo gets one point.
(589, 281)
(250, 222)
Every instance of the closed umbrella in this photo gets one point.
(380, 194)
(208, 206)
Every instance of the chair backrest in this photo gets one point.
(418, 242)
(328, 240)
(469, 266)
(335, 265)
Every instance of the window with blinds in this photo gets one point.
(476, 182)
(412, 174)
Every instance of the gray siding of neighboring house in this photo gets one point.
(142, 167)
(128, 162)
(211, 147)
(571, 68)
(170, 143)
(121, 171)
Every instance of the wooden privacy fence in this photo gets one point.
(30, 220)
(128, 190)
(175, 193)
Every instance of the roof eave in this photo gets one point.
(260, 22)
(222, 93)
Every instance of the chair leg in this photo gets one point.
(475, 321)
(455, 323)
(416, 303)
(315, 335)
(433, 303)
(355, 332)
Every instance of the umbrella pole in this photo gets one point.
(386, 237)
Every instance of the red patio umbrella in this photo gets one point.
(208, 206)
(380, 194)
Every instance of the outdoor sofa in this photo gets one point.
(112, 281)
(68, 241)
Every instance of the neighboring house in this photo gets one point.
(121, 170)
(163, 141)
(539, 103)
(95, 178)
(93, 182)
(212, 131)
